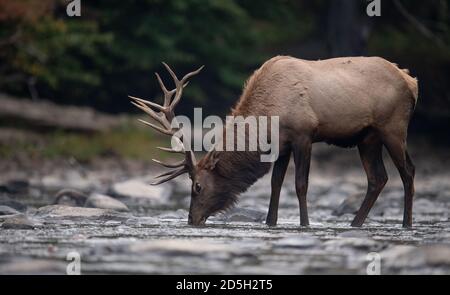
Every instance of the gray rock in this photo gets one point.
(33, 267)
(243, 215)
(6, 201)
(105, 202)
(79, 213)
(402, 256)
(15, 186)
(140, 191)
(69, 179)
(70, 197)
(5, 210)
(18, 222)
(437, 255)
(417, 257)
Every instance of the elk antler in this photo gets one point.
(164, 114)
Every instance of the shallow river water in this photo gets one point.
(154, 238)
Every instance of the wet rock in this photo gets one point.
(400, 257)
(69, 179)
(32, 267)
(18, 222)
(79, 213)
(301, 241)
(141, 191)
(437, 255)
(243, 215)
(70, 197)
(105, 202)
(5, 210)
(403, 256)
(15, 186)
(349, 205)
(6, 201)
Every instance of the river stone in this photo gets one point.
(33, 267)
(5, 210)
(77, 213)
(105, 202)
(243, 215)
(437, 255)
(15, 186)
(141, 191)
(402, 256)
(6, 201)
(69, 179)
(18, 222)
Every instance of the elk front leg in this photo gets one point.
(302, 158)
(278, 173)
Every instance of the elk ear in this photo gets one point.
(212, 160)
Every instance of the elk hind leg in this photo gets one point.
(370, 151)
(396, 145)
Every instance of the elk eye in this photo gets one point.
(197, 187)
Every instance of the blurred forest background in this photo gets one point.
(114, 47)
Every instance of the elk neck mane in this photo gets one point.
(254, 89)
(241, 169)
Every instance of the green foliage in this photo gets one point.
(125, 142)
(115, 46)
(113, 49)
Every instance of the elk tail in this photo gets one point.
(412, 84)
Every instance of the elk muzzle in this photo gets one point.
(198, 220)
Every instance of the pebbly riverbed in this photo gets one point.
(126, 226)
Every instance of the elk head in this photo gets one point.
(205, 195)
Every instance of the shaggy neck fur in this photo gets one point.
(236, 171)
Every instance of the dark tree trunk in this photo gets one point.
(347, 32)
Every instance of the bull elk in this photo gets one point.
(356, 101)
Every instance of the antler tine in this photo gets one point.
(193, 73)
(179, 84)
(167, 94)
(167, 165)
(170, 172)
(170, 150)
(162, 130)
(162, 120)
(164, 114)
(170, 175)
(179, 91)
(152, 104)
